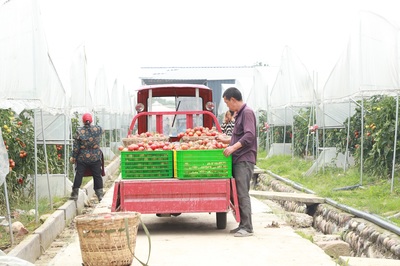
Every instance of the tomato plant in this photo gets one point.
(303, 139)
(18, 136)
(263, 128)
(377, 134)
(281, 134)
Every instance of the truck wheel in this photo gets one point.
(221, 220)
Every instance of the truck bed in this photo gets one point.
(174, 196)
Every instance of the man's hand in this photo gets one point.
(223, 138)
(229, 150)
(72, 160)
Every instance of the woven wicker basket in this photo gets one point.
(107, 238)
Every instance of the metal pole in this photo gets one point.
(46, 160)
(34, 83)
(315, 108)
(116, 129)
(8, 212)
(284, 135)
(292, 137)
(268, 119)
(362, 105)
(395, 141)
(308, 133)
(323, 143)
(36, 167)
(323, 132)
(362, 141)
(347, 140)
(65, 155)
(69, 143)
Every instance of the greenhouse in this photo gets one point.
(351, 120)
(39, 111)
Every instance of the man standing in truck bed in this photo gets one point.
(243, 147)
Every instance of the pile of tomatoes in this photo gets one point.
(199, 132)
(197, 138)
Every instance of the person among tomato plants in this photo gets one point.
(229, 123)
(243, 148)
(87, 156)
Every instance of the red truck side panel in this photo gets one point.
(174, 196)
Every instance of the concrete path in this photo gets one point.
(192, 239)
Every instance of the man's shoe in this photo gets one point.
(233, 231)
(242, 233)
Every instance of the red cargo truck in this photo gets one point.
(166, 182)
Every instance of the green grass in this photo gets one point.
(25, 204)
(305, 236)
(374, 196)
(29, 221)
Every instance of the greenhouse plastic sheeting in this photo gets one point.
(100, 93)
(293, 84)
(333, 115)
(4, 165)
(11, 260)
(27, 73)
(370, 64)
(293, 89)
(81, 99)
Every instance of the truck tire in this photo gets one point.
(221, 220)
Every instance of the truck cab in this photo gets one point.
(169, 109)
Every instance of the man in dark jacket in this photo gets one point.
(243, 147)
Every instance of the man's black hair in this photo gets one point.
(232, 92)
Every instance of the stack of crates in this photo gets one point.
(180, 164)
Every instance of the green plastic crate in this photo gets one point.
(146, 164)
(202, 164)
